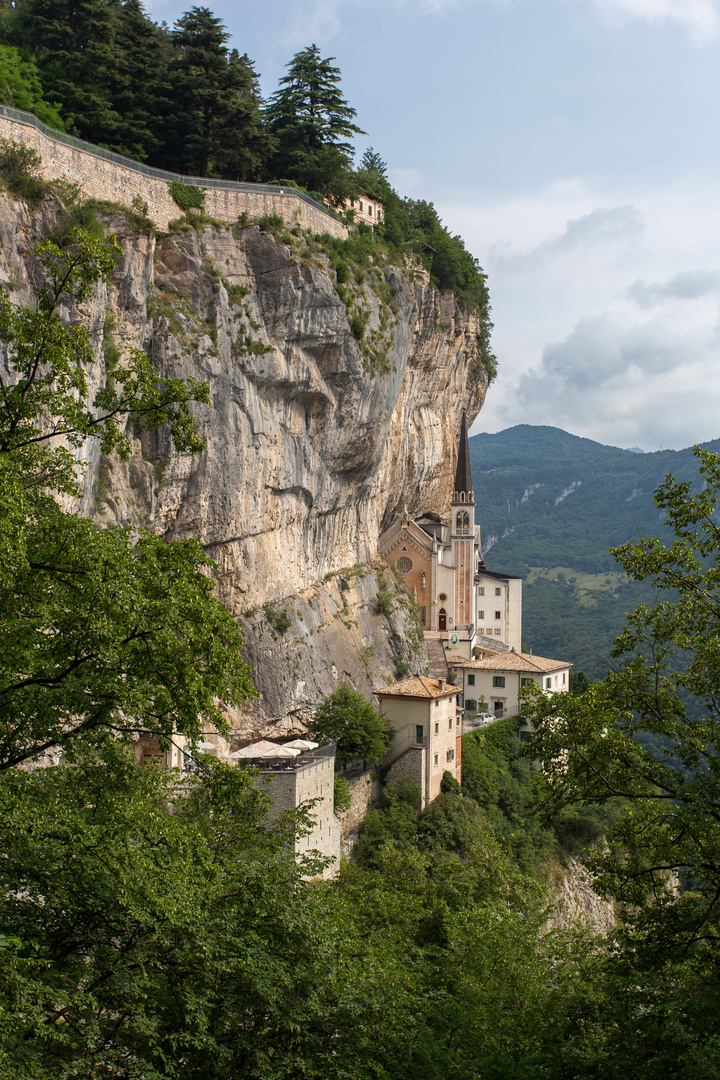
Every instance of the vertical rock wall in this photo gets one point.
(314, 438)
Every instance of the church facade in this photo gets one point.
(468, 607)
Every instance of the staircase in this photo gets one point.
(437, 665)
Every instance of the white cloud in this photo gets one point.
(699, 17)
(606, 322)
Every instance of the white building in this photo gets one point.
(427, 722)
(499, 678)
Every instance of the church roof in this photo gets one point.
(463, 476)
(417, 686)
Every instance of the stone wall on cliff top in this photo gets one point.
(308, 453)
(101, 174)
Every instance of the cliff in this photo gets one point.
(333, 407)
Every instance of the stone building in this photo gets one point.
(291, 782)
(427, 723)
(366, 208)
(441, 560)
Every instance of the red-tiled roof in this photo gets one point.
(417, 686)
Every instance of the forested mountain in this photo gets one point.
(551, 506)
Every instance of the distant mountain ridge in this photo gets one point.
(550, 505)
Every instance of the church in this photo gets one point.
(469, 609)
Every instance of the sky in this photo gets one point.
(573, 144)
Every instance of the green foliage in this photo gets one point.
(311, 122)
(384, 602)
(343, 799)
(278, 620)
(357, 728)
(664, 682)
(126, 894)
(218, 126)
(449, 785)
(19, 168)
(187, 196)
(236, 294)
(99, 631)
(20, 87)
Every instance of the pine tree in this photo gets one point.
(313, 122)
(372, 162)
(74, 45)
(139, 86)
(241, 152)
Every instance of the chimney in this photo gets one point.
(441, 685)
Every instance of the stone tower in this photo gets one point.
(462, 531)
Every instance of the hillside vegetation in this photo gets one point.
(551, 505)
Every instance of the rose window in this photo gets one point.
(404, 564)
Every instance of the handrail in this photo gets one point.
(159, 174)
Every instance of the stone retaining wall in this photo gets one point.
(364, 793)
(107, 179)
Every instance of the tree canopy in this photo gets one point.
(359, 730)
(663, 684)
(99, 632)
(312, 123)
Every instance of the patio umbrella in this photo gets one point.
(254, 749)
(301, 744)
(280, 752)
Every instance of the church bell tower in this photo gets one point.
(463, 534)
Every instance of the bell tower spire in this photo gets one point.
(463, 535)
(463, 475)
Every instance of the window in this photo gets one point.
(437, 702)
(404, 564)
(369, 209)
(457, 721)
(437, 727)
(471, 680)
(498, 592)
(481, 592)
(481, 615)
(466, 523)
(450, 723)
(419, 733)
(498, 633)
(442, 597)
(526, 682)
(450, 756)
(548, 684)
(436, 759)
(498, 680)
(498, 614)
(563, 678)
(458, 522)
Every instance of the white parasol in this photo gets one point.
(280, 752)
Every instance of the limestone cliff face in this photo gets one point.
(309, 454)
(575, 903)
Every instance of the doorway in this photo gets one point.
(442, 619)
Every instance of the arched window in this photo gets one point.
(462, 496)
(466, 523)
(458, 522)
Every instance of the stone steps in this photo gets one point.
(437, 664)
